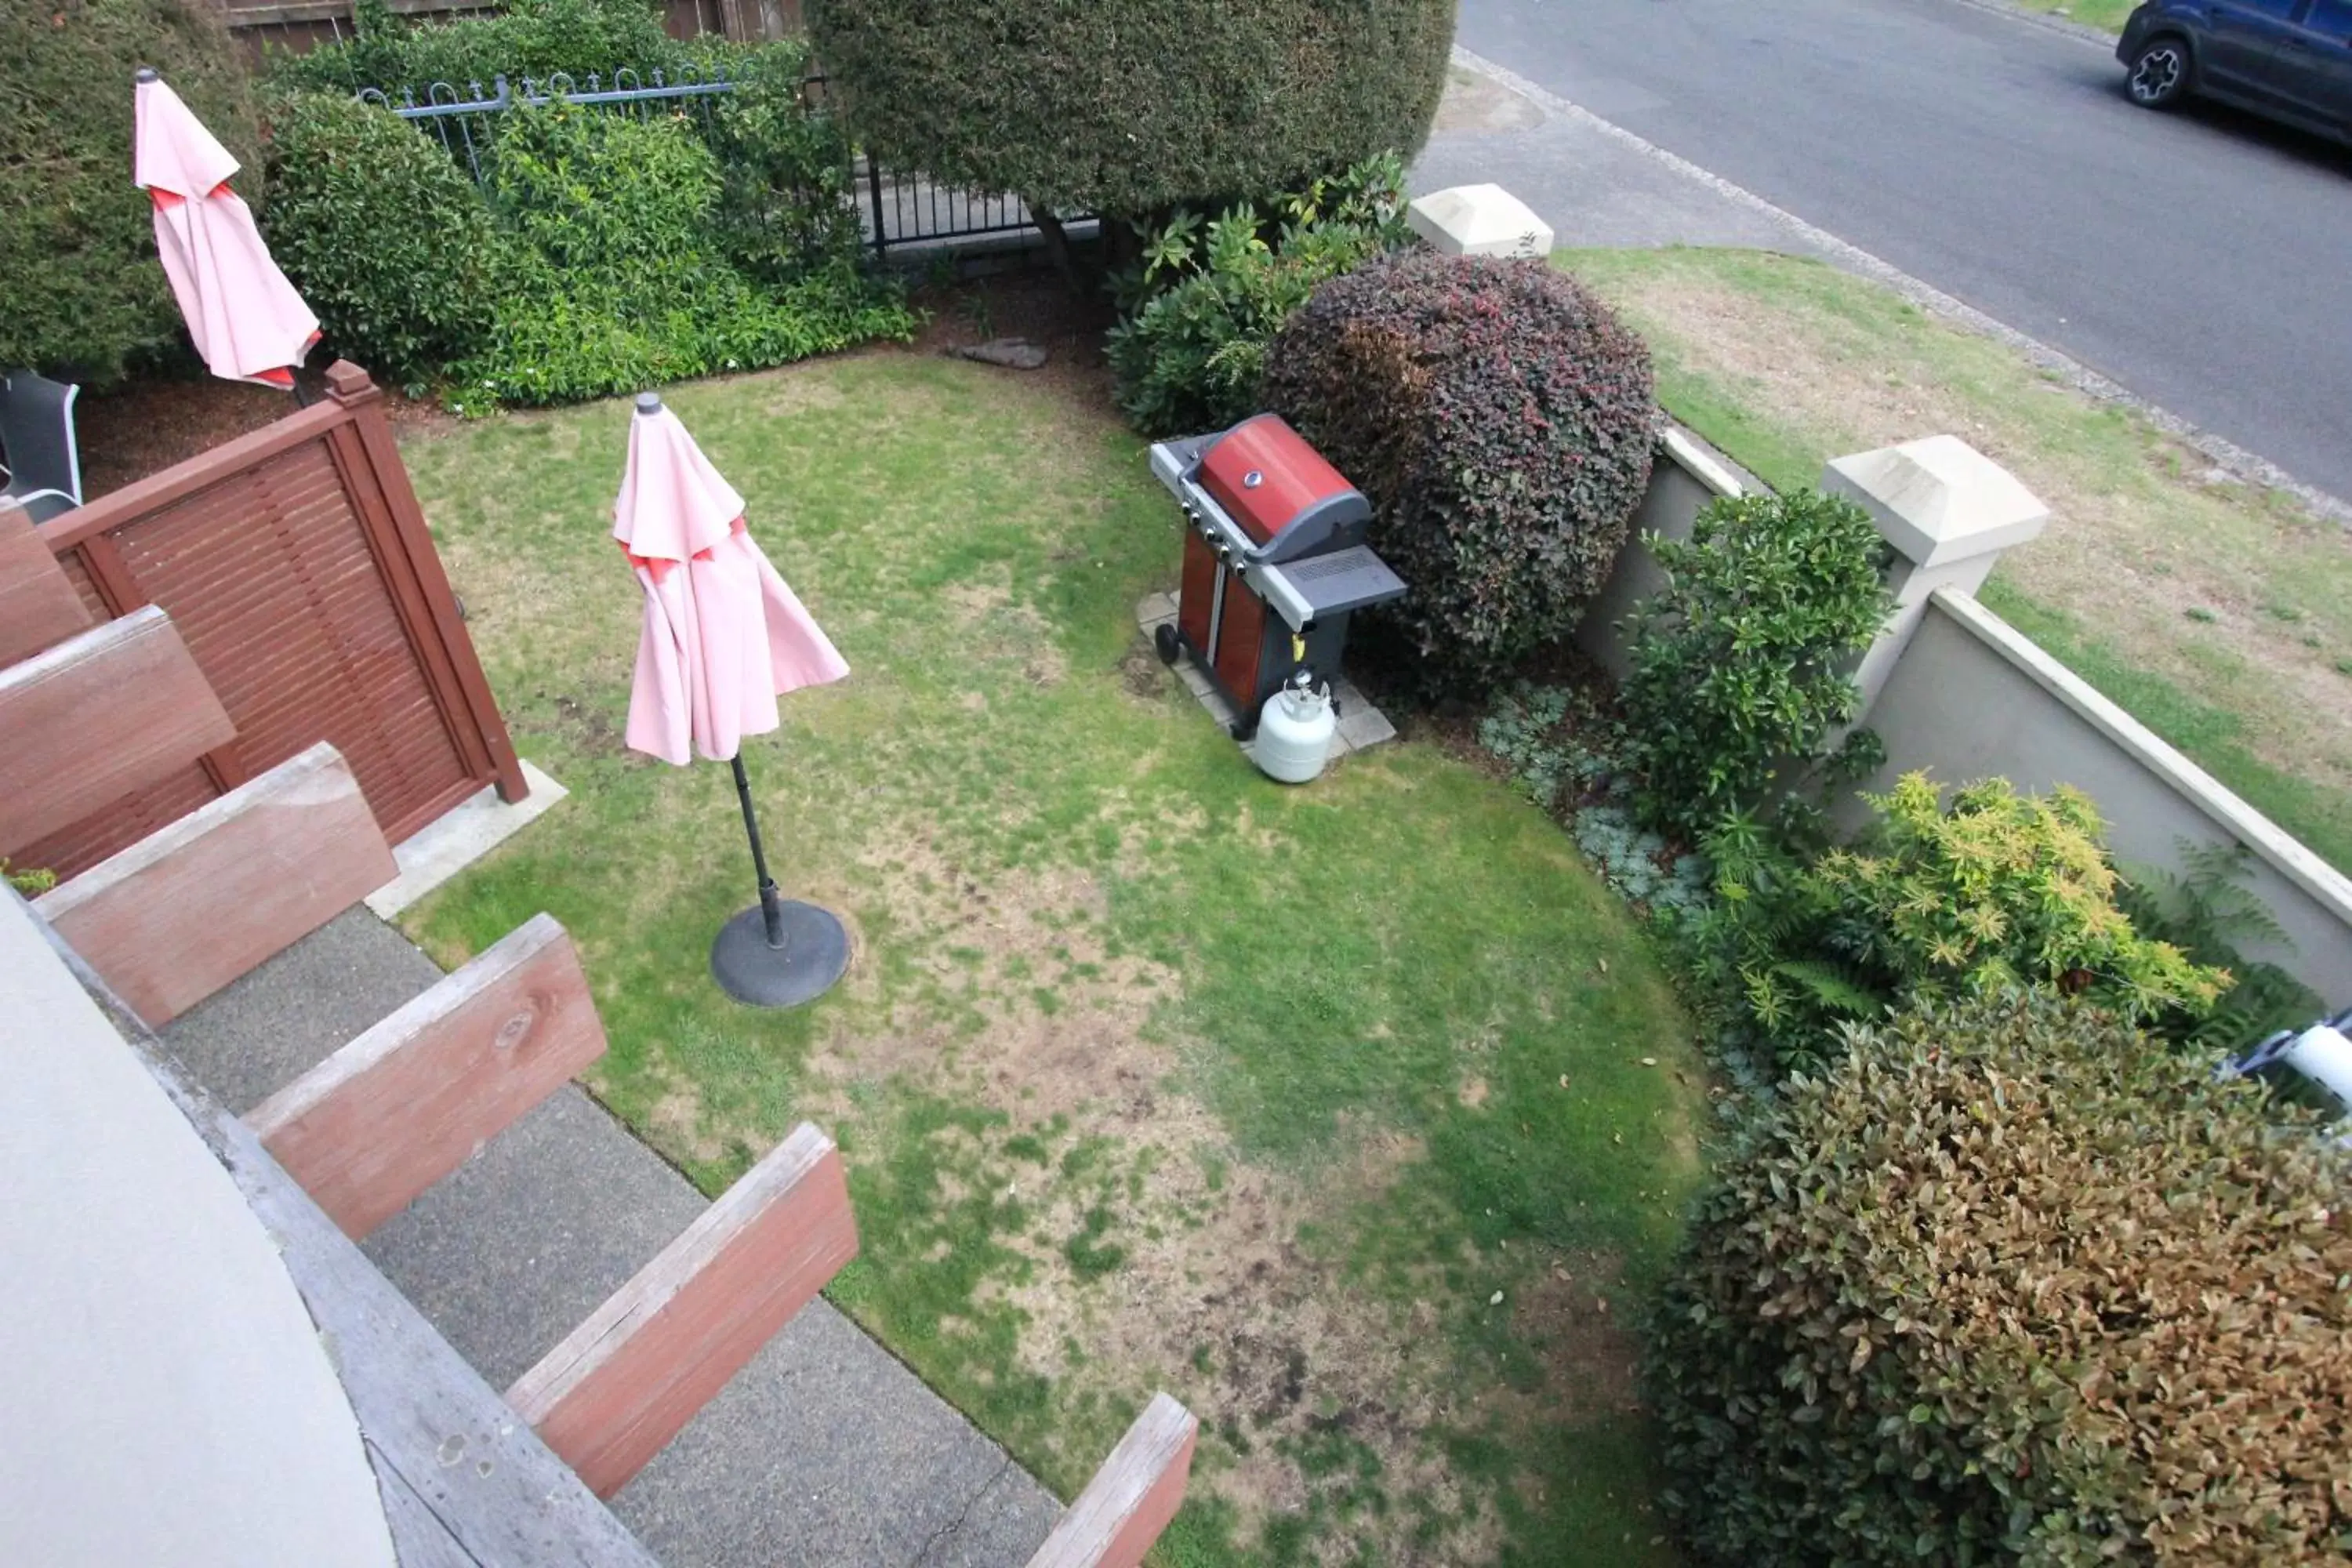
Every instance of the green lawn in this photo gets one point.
(1344, 1113)
(2219, 616)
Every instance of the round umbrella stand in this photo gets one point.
(814, 954)
(780, 952)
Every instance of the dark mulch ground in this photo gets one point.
(150, 423)
(1035, 305)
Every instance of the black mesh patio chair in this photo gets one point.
(37, 437)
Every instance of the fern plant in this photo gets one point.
(2205, 910)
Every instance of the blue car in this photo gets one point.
(2289, 61)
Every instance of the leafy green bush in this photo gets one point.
(1995, 891)
(1739, 664)
(531, 38)
(84, 291)
(1207, 299)
(385, 236)
(1501, 421)
(1129, 107)
(2006, 1285)
(612, 275)
(785, 210)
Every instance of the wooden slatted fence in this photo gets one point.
(297, 566)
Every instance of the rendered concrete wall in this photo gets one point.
(168, 1400)
(1687, 475)
(1970, 697)
(1973, 697)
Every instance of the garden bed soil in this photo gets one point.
(148, 424)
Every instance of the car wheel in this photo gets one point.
(2159, 73)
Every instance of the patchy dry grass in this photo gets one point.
(2221, 616)
(1149, 1073)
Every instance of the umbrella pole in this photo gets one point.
(770, 912)
(783, 953)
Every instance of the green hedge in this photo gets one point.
(611, 274)
(1134, 106)
(83, 291)
(524, 38)
(1502, 423)
(2009, 1285)
(385, 235)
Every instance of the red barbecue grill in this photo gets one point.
(1275, 559)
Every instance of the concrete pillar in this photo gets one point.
(1949, 511)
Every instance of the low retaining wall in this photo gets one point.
(1686, 476)
(1970, 697)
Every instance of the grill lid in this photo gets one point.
(1280, 491)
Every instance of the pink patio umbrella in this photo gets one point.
(247, 321)
(723, 638)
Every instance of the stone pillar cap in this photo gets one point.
(1939, 500)
(1478, 220)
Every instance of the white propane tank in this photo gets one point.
(1293, 733)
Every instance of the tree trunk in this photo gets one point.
(1057, 245)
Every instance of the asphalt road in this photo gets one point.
(2201, 260)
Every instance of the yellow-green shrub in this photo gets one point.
(2011, 1284)
(1994, 891)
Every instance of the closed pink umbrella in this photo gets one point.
(723, 638)
(247, 321)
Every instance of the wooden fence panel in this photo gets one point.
(95, 718)
(298, 566)
(410, 1101)
(188, 909)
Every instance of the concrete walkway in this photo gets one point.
(825, 1449)
(1591, 184)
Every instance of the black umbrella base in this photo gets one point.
(814, 955)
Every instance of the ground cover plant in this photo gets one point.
(2106, 14)
(2219, 616)
(1358, 1116)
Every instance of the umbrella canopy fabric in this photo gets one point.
(247, 321)
(723, 635)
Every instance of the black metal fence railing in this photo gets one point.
(897, 210)
(463, 119)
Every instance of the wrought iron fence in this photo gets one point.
(898, 211)
(463, 119)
